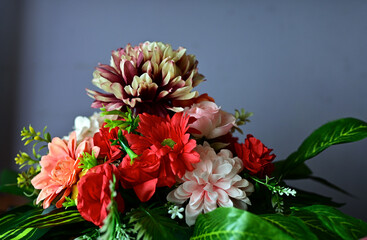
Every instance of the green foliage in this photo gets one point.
(8, 182)
(293, 226)
(339, 131)
(313, 222)
(242, 118)
(31, 135)
(233, 223)
(88, 161)
(27, 222)
(24, 180)
(124, 146)
(154, 223)
(127, 121)
(276, 190)
(69, 203)
(112, 227)
(329, 223)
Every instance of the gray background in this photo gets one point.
(295, 64)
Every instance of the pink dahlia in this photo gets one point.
(214, 182)
(60, 169)
(150, 78)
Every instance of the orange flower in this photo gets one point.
(60, 169)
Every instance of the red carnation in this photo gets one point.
(102, 140)
(165, 151)
(94, 193)
(255, 156)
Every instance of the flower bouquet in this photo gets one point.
(160, 161)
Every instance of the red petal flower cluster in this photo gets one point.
(255, 156)
(94, 194)
(103, 140)
(165, 151)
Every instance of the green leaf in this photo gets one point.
(8, 182)
(53, 219)
(291, 225)
(24, 234)
(305, 198)
(153, 223)
(329, 184)
(329, 223)
(27, 222)
(336, 132)
(299, 172)
(233, 223)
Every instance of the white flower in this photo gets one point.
(175, 211)
(88, 126)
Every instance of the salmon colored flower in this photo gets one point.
(60, 169)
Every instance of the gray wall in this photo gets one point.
(295, 64)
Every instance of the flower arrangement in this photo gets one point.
(161, 161)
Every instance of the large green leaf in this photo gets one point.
(339, 131)
(233, 223)
(329, 223)
(153, 223)
(29, 223)
(293, 226)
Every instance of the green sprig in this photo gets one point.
(242, 117)
(127, 120)
(88, 161)
(69, 203)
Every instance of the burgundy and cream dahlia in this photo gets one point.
(151, 78)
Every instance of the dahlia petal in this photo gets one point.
(191, 214)
(117, 90)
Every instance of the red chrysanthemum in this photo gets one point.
(256, 156)
(103, 139)
(165, 150)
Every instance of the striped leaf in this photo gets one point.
(31, 224)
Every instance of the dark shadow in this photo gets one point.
(11, 15)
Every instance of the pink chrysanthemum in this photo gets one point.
(214, 182)
(150, 78)
(60, 169)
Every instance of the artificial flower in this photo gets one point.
(213, 183)
(103, 139)
(256, 156)
(60, 169)
(211, 121)
(88, 126)
(166, 151)
(94, 194)
(150, 78)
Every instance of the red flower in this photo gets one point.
(102, 140)
(94, 193)
(165, 151)
(255, 156)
